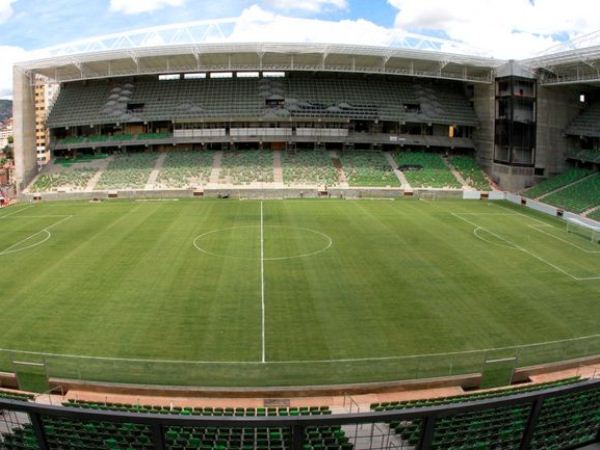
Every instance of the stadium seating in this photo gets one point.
(67, 179)
(471, 172)
(80, 159)
(586, 124)
(69, 434)
(430, 170)
(185, 168)
(551, 184)
(298, 95)
(579, 197)
(368, 168)
(584, 155)
(308, 167)
(12, 395)
(595, 215)
(246, 166)
(565, 422)
(128, 171)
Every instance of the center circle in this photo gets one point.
(279, 242)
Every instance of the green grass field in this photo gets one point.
(186, 292)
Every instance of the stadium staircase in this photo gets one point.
(403, 181)
(567, 421)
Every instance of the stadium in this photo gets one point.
(304, 246)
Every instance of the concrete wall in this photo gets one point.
(246, 193)
(484, 103)
(557, 107)
(513, 178)
(24, 129)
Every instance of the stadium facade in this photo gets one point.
(523, 120)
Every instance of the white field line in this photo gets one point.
(46, 230)
(303, 361)
(16, 212)
(538, 228)
(524, 250)
(521, 214)
(262, 283)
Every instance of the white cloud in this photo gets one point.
(6, 10)
(258, 25)
(502, 28)
(10, 55)
(140, 6)
(313, 6)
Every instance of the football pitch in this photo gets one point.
(295, 292)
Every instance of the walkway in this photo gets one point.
(399, 174)
(154, 174)
(215, 174)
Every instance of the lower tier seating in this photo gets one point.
(577, 197)
(368, 168)
(182, 169)
(68, 434)
(426, 170)
(128, 171)
(308, 167)
(565, 422)
(247, 166)
(12, 395)
(471, 172)
(564, 179)
(65, 179)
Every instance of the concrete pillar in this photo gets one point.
(24, 128)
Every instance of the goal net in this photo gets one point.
(584, 230)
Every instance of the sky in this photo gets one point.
(507, 29)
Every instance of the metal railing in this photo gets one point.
(159, 424)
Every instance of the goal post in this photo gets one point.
(583, 229)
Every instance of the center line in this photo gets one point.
(262, 280)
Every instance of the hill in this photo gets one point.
(5, 109)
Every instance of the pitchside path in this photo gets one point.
(270, 300)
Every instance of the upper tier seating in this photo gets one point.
(432, 173)
(68, 434)
(368, 168)
(551, 184)
(246, 166)
(186, 168)
(471, 172)
(308, 167)
(128, 171)
(565, 422)
(298, 95)
(587, 123)
(578, 197)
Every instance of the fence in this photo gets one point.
(18, 415)
(295, 373)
